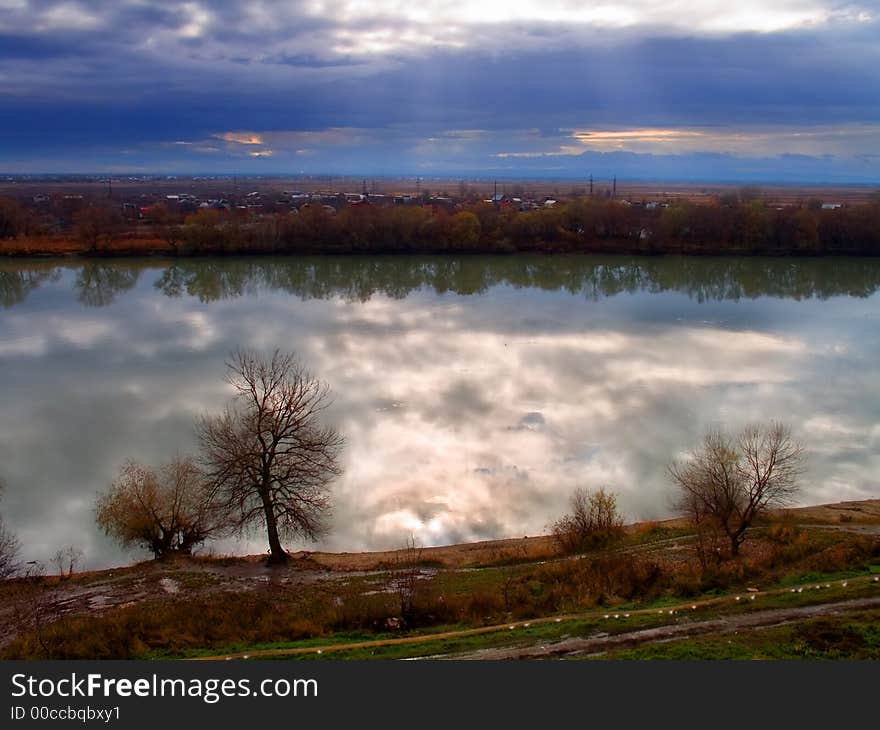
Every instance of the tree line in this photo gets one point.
(728, 225)
(583, 225)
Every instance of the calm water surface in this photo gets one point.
(474, 393)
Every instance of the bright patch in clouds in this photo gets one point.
(299, 142)
(709, 16)
(853, 139)
(71, 16)
(240, 137)
(391, 27)
(196, 22)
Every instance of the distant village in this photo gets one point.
(137, 196)
(227, 214)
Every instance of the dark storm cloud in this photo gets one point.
(115, 84)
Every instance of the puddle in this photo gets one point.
(169, 585)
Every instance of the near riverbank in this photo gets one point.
(519, 592)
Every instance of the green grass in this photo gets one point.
(854, 635)
(587, 625)
(519, 636)
(238, 647)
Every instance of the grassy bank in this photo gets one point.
(192, 607)
(853, 635)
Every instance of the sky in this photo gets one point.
(712, 90)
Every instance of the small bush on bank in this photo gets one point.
(594, 521)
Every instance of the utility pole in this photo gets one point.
(591, 186)
(614, 187)
(364, 187)
(495, 195)
(418, 187)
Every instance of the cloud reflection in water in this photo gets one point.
(475, 393)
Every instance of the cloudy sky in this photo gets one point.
(748, 90)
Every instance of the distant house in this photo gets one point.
(831, 206)
(131, 210)
(299, 198)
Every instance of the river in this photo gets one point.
(474, 393)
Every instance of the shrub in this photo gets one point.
(593, 522)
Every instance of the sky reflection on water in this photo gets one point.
(474, 394)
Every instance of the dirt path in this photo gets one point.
(603, 643)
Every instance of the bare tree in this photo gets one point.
(508, 560)
(726, 483)
(95, 225)
(66, 559)
(34, 607)
(9, 548)
(167, 510)
(167, 225)
(594, 521)
(269, 455)
(405, 576)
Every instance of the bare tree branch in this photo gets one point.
(268, 455)
(593, 521)
(9, 547)
(169, 509)
(728, 482)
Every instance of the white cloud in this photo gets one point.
(68, 16)
(445, 21)
(748, 140)
(195, 21)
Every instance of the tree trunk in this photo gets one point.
(277, 554)
(734, 545)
